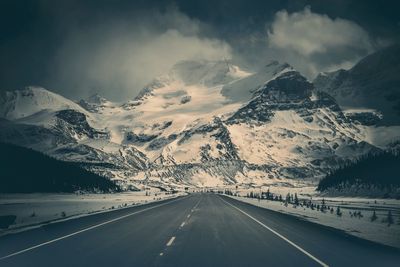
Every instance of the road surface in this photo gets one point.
(196, 230)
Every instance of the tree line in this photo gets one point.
(379, 170)
(24, 170)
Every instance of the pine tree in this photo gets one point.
(375, 169)
(322, 208)
(287, 200)
(374, 217)
(390, 218)
(359, 214)
(323, 205)
(338, 211)
(296, 199)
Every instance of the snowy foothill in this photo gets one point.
(377, 220)
(26, 211)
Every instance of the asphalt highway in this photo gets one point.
(196, 230)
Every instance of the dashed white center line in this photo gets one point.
(182, 224)
(171, 241)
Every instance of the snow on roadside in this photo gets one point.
(377, 231)
(32, 210)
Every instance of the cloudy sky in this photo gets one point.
(77, 48)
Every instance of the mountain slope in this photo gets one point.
(23, 103)
(373, 83)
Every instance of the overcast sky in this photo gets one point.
(77, 48)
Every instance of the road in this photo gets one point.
(196, 230)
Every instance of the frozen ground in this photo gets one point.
(361, 226)
(32, 210)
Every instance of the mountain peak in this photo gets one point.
(208, 73)
(290, 85)
(243, 89)
(94, 103)
(96, 99)
(385, 61)
(30, 100)
(203, 73)
(277, 65)
(30, 91)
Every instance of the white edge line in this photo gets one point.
(24, 228)
(278, 234)
(171, 241)
(86, 229)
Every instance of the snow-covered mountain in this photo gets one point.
(39, 119)
(204, 123)
(372, 85)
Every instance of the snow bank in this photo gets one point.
(363, 227)
(33, 210)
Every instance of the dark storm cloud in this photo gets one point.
(118, 58)
(115, 47)
(324, 43)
